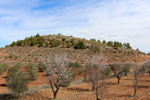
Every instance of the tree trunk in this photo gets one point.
(97, 94)
(93, 87)
(118, 80)
(55, 93)
(84, 77)
(134, 93)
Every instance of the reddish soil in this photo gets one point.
(82, 91)
(123, 91)
(40, 81)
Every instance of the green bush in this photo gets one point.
(126, 69)
(76, 65)
(117, 44)
(127, 45)
(63, 39)
(72, 41)
(3, 68)
(80, 72)
(104, 42)
(40, 40)
(11, 72)
(54, 43)
(66, 84)
(32, 72)
(99, 41)
(16, 57)
(58, 42)
(143, 69)
(32, 43)
(79, 45)
(13, 44)
(107, 72)
(112, 66)
(93, 39)
(41, 44)
(38, 35)
(6, 57)
(95, 48)
(110, 43)
(10, 56)
(67, 41)
(47, 44)
(42, 67)
(68, 45)
(18, 83)
(63, 44)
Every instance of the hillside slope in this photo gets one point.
(35, 53)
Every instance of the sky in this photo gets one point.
(110, 20)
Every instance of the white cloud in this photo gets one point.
(121, 20)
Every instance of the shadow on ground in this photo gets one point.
(3, 85)
(7, 97)
(78, 89)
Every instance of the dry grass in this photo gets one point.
(33, 54)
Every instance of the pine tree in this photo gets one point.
(72, 41)
(41, 44)
(32, 43)
(110, 43)
(47, 44)
(63, 44)
(104, 42)
(68, 45)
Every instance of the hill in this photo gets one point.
(31, 49)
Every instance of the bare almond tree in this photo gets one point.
(118, 72)
(95, 68)
(147, 63)
(96, 62)
(94, 75)
(85, 73)
(58, 73)
(100, 85)
(135, 82)
(101, 90)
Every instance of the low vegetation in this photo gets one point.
(75, 65)
(17, 81)
(41, 41)
(18, 84)
(11, 72)
(3, 68)
(42, 67)
(79, 45)
(60, 74)
(32, 72)
(147, 64)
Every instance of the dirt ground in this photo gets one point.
(80, 90)
(123, 91)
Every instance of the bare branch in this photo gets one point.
(58, 72)
(135, 81)
(94, 69)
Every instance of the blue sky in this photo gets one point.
(121, 20)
